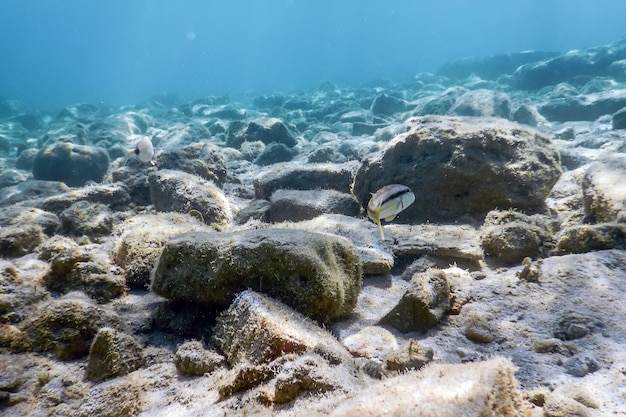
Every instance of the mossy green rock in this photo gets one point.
(16, 241)
(65, 326)
(318, 275)
(112, 354)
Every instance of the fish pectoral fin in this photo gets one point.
(390, 217)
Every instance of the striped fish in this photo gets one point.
(387, 202)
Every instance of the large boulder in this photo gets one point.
(319, 275)
(181, 192)
(72, 164)
(459, 167)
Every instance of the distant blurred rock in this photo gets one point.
(387, 105)
(264, 130)
(204, 160)
(482, 103)
(619, 119)
(275, 153)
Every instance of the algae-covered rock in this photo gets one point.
(112, 195)
(423, 305)
(112, 353)
(318, 275)
(65, 326)
(141, 239)
(116, 398)
(193, 359)
(73, 267)
(85, 218)
(591, 237)
(461, 166)
(509, 236)
(409, 357)
(19, 240)
(182, 192)
(258, 329)
(17, 215)
(486, 389)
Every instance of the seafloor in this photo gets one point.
(238, 274)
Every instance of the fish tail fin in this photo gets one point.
(380, 227)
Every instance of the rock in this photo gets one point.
(318, 275)
(478, 329)
(371, 342)
(409, 357)
(258, 329)
(88, 219)
(619, 119)
(493, 66)
(566, 198)
(386, 105)
(298, 205)
(11, 177)
(113, 195)
(361, 129)
(15, 215)
(560, 406)
(423, 305)
(275, 153)
(243, 377)
(509, 236)
(489, 389)
(112, 354)
(25, 159)
(256, 210)
(141, 239)
(204, 160)
(459, 167)
(304, 177)
(526, 115)
(31, 192)
(19, 240)
(65, 326)
(310, 375)
(72, 164)
(181, 192)
(264, 130)
(562, 68)
(456, 243)
(617, 70)
(135, 182)
(581, 365)
(576, 325)
(585, 107)
(374, 258)
(192, 359)
(116, 398)
(554, 346)
(76, 268)
(440, 104)
(591, 237)
(482, 103)
(604, 191)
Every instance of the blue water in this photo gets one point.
(58, 52)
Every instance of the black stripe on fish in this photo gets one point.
(397, 194)
(137, 151)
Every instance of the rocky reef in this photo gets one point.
(238, 273)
